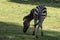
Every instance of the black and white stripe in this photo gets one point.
(41, 10)
(38, 14)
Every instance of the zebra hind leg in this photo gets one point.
(41, 31)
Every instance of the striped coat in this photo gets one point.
(38, 14)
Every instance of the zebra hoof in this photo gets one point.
(33, 33)
(36, 36)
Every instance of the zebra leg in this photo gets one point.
(35, 21)
(41, 31)
(36, 32)
(36, 28)
(40, 24)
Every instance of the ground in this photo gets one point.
(11, 21)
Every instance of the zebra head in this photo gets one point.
(26, 25)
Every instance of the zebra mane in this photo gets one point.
(29, 17)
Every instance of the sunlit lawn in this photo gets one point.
(11, 22)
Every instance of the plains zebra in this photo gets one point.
(38, 14)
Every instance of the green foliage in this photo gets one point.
(42, 1)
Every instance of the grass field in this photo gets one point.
(11, 21)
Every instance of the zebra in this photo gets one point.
(38, 13)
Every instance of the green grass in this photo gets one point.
(11, 21)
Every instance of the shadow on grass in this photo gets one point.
(13, 31)
(36, 2)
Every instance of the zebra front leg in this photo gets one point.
(34, 30)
